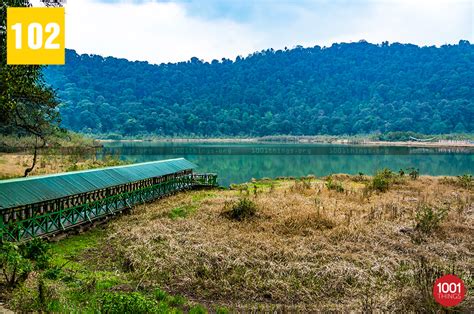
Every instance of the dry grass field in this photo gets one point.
(312, 244)
(14, 165)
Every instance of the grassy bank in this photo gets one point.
(336, 243)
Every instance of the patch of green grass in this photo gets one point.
(202, 195)
(261, 185)
(182, 211)
(65, 251)
(267, 183)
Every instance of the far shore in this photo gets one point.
(303, 140)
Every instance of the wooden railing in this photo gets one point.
(205, 179)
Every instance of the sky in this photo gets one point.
(160, 31)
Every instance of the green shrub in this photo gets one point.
(160, 295)
(428, 219)
(382, 180)
(242, 210)
(52, 273)
(465, 181)
(176, 300)
(221, 310)
(197, 309)
(413, 173)
(163, 296)
(37, 250)
(301, 186)
(380, 184)
(334, 185)
(17, 261)
(14, 266)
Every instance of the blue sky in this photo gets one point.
(170, 31)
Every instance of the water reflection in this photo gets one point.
(237, 163)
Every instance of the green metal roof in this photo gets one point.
(35, 189)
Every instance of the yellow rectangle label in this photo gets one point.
(35, 36)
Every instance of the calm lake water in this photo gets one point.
(237, 163)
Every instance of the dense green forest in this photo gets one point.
(348, 88)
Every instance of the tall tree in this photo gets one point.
(27, 104)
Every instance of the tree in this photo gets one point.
(27, 104)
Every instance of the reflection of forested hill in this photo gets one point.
(343, 89)
(239, 163)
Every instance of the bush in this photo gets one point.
(160, 295)
(52, 273)
(465, 181)
(242, 210)
(428, 219)
(221, 310)
(334, 185)
(382, 180)
(197, 309)
(413, 173)
(37, 250)
(17, 261)
(13, 265)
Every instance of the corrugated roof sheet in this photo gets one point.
(23, 191)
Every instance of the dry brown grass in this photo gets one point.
(308, 247)
(14, 165)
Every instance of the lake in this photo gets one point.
(240, 162)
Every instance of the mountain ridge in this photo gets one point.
(348, 88)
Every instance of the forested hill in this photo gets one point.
(343, 89)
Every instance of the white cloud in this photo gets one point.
(422, 22)
(157, 32)
(176, 31)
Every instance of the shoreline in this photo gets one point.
(368, 143)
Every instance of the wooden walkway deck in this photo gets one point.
(21, 226)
